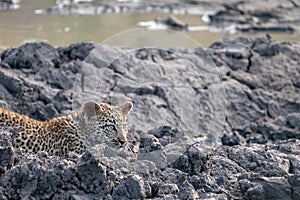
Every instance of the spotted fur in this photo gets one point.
(93, 124)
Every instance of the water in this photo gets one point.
(22, 25)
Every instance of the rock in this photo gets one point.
(149, 143)
(166, 134)
(259, 92)
(172, 23)
(9, 5)
(252, 190)
(252, 184)
(91, 174)
(45, 75)
(260, 172)
(294, 181)
(187, 191)
(185, 108)
(193, 161)
(131, 188)
(283, 188)
(158, 157)
(255, 16)
(6, 152)
(230, 140)
(168, 189)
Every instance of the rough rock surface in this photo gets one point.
(221, 123)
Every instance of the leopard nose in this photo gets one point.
(122, 138)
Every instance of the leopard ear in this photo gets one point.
(90, 108)
(126, 107)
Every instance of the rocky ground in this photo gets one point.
(216, 123)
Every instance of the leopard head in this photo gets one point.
(104, 123)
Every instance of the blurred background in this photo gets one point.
(63, 22)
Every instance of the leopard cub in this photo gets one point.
(95, 123)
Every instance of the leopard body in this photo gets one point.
(93, 124)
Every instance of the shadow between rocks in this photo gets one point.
(259, 158)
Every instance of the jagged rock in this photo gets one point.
(230, 140)
(6, 152)
(131, 188)
(193, 161)
(183, 106)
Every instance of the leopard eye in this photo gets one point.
(111, 128)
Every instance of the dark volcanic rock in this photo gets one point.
(255, 15)
(185, 107)
(40, 75)
(243, 172)
(193, 161)
(130, 188)
(266, 87)
(230, 140)
(6, 153)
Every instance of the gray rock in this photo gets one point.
(168, 189)
(252, 190)
(259, 93)
(158, 157)
(6, 152)
(172, 23)
(255, 16)
(294, 180)
(183, 106)
(230, 140)
(130, 188)
(193, 161)
(91, 175)
(149, 143)
(187, 191)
